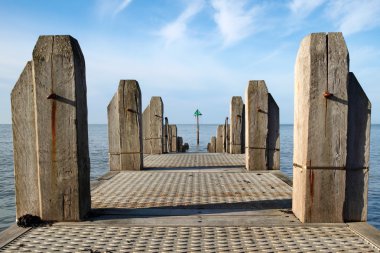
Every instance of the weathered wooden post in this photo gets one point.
(125, 127)
(166, 135)
(197, 113)
(156, 125)
(213, 145)
(273, 139)
(50, 133)
(173, 130)
(237, 125)
(219, 139)
(226, 137)
(357, 167)
(146, 131)
(180, 144)
(320, 128)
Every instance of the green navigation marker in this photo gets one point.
(197, 113)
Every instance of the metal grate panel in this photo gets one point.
(193, 160)
(171, 189)
(76, 238)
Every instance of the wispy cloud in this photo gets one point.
(234, 19)
(176, 30)
(303, 8)
(111, 7)
(352, 16)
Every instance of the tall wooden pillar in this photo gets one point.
(156, 125)
(219, 148)
(236, 125)
(146, 130)
(125, 127)
(50, 131)
(173, 130)
(320, 128)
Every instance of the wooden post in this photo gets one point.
(237, 125)
(320, 128)
(49, 115)
(219, 139)
(156, 125)
(125, 127)
(166, 135)
(357, 167)
(256, 120)
(170, 137)
(226, 137)
(180, 144)
(213, 145)
(209, 147)
(173, 130)
(273, 141)
(197, 130)
(146, 131)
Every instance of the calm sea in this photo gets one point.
(98, 142)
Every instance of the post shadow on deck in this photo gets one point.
(50, 133)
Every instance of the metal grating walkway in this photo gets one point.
(188, 190)
(194, 160)
(190, 204)
(191, 239)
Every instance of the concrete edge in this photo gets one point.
(366, 231)
(11, 234)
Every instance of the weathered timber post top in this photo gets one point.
(156, 198)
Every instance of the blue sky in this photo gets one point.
(196, 53)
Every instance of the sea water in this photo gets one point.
(98, 143)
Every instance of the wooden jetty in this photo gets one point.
(153, 201)
(192, 203)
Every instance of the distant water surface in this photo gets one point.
(98, 141)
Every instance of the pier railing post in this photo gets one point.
(125, 127)
(219, 139)
(156, 125)
(261, 128)
(226, 136)
(166, 135)
(213, 145)
(320, 128)
(50, 131)
(173, 130)
(236, 125)
(358, 145)
(146, 131)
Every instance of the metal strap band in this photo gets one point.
(124, 153)
(275, 149)
(328, 167)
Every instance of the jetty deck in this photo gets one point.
(192, 203)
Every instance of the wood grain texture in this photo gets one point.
(166, 135)
(114, 133)
(24, 144)
(226, 137)
(358, 146)
(173, 130)
(256, 129)
(273, 141)
(213, 145)
(320, 130)
(156, 125)
(146, 131)
(131, 147)
(236, 125)
(219, 148)
(62, 131)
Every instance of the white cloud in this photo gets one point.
(303, 8)
(111, 7)
(352, 16)
(234, 20)
(176, 30)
